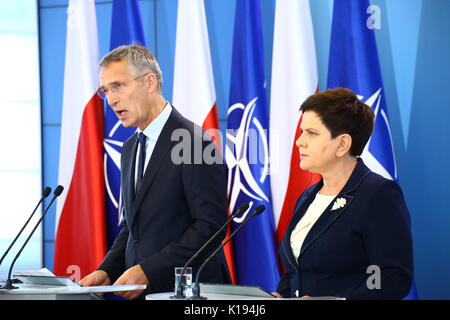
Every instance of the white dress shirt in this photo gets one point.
(152, 133)
(314, 211)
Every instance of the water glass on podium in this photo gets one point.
(186, 282)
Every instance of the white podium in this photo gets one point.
(213, 291)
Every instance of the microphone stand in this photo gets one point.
(196, 289)
(8, 284)
(179, 294)
(45, 194)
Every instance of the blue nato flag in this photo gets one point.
(354, 64)
(126, 28)
(246, 153)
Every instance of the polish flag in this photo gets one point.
(193, 84)
(294, 78)
(80, 242)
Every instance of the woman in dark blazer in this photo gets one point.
(350, 233)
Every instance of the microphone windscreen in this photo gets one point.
(46, 191)
(259, 209)
(59, 189)
(243, 207)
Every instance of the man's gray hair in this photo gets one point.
(140, 61)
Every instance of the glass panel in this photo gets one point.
(20, 132)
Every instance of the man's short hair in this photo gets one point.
(140, 61)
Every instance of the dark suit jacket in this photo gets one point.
(373, 228)
(177, 208)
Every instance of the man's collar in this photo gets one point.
(155, 127)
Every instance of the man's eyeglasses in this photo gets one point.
(116, 88)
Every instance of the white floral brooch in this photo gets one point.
(339, 203)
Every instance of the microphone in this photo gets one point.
(179, 294)
(59, 189)
(196, 291)
(45, 194)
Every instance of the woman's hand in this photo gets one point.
(276, 294)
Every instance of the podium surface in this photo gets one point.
(213, 291)
(49, 292)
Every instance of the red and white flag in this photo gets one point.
(294, 78)
(80, 243)
(193, 84)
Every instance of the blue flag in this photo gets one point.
(247, 153)
(126, 28)
(354, 64)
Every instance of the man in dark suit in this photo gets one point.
(172, 205)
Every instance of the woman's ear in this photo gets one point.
(345, 143)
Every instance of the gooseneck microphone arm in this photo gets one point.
(259, 209)
(242, 208)
(59, 189)
(45, 194)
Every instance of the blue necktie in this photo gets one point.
(141, 160)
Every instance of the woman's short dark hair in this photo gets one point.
(342, 112)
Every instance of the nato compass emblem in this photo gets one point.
(241, 179)
(111, 162)
(378, 153)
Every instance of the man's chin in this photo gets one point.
(126, 124)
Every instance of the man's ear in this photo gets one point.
(151, 82)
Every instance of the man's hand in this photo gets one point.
(134, 275)
(96, 278)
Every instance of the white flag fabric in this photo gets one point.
(80, 237)
(194, 95)
(80, 84)
(294, 78)
(193, 84)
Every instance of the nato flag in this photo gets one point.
(247, 152)
(354, 64)
(126, 28)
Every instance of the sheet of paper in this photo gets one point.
(40, 272)
(95, 289)
(36, 289)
